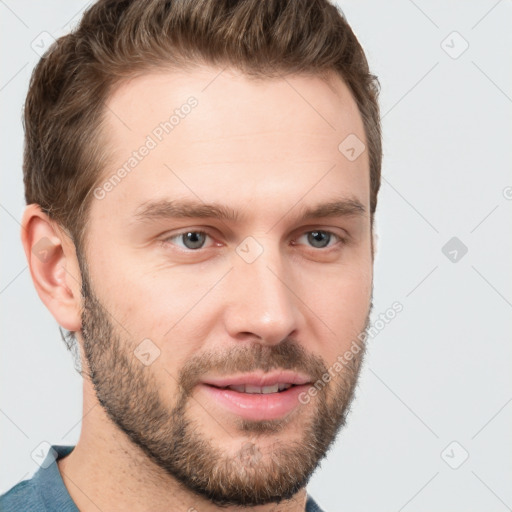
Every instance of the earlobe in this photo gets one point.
(53, 266)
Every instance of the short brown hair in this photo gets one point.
(119, 39)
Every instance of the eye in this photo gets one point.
(320, 239)
(189, 239)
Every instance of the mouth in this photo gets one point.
(272, 382)
(257, 397)
(263, 390)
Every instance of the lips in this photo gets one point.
(248, 388)
(257, 396)
(263, 383)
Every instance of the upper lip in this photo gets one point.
(259, 379)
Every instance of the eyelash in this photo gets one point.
(340, 239)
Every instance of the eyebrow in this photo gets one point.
(165, 209)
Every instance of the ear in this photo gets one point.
(53, 266)
(375, 238)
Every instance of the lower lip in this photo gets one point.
(257, 406)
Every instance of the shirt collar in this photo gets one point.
(49, 483)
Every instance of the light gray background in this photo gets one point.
(440, 371)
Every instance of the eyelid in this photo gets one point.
(167, 239)
(343, 239)
(333, 230)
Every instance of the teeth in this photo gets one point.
(262, 390)
(240, 389)
(248, 388)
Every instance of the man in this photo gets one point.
(201, 181)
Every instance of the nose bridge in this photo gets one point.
(262, 304)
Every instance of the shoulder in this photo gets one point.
(23, 496)
(312, 505)
(44, 490)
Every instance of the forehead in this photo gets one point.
(220, 136)
(226, 97)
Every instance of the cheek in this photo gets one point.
(171, 308)
(341, 303)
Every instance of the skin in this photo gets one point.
(260, 149)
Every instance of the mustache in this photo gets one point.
(287, 355)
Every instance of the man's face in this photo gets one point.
(180, 303)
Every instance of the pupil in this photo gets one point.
(193, 240)
(319, 238)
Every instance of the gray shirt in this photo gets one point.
(45, 491)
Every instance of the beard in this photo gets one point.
(257, 473)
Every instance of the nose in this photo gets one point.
(261, 304)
